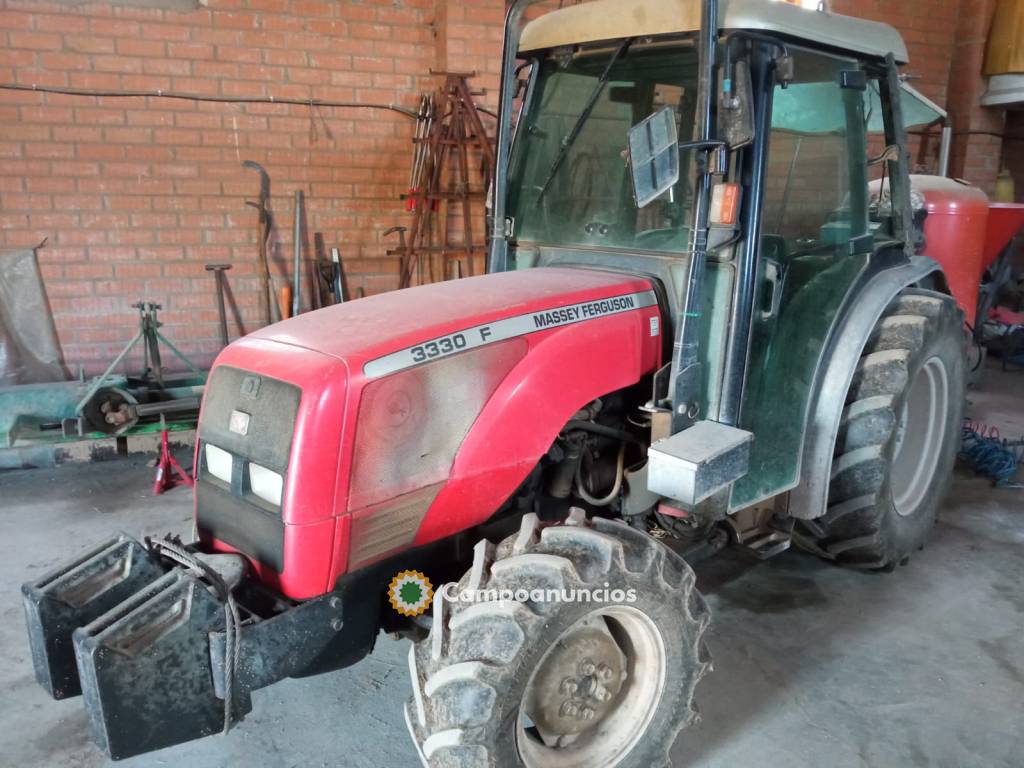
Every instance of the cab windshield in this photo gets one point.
(570, 182)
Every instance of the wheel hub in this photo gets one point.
(594, 692)
(578, 683)
(920, 436)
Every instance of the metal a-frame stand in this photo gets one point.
(455, 139)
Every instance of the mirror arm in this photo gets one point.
(746, 34)
(705, 145)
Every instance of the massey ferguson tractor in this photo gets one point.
(705, 323)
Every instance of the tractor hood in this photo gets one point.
(392, 331)
(358, 430)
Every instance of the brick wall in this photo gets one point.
(929, 29)
(135, 195)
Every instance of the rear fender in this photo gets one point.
(563, 370)
(810, 498)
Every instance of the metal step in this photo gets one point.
(765, 543)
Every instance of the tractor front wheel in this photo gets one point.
(588, 658)
(898, 438)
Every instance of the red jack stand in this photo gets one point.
(167, 465)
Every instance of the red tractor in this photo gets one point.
(678, 345)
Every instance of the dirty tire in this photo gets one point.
(918, 340)
(471, 674)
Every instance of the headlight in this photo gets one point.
(266, 484)
(218, 462)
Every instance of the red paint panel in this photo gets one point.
(323, 353)
(314, 470)
(362, 330)
(1004, 222)
(564, 369)
(954, 232)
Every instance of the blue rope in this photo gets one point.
(989, 456)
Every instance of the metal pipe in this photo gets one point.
(899, 169)
(685, 377)
(218, 274)
(166, 406)
(601, 429)
(738, 351)
(296, 278)
(944, 147)
(177, 352)
(497, 259)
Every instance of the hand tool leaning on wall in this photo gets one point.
(424, 119)
(285, 302)
(337, 277)
(297, 244)
(266, 223)
(328, 278)
(218, 275)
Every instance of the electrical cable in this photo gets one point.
(160, 94)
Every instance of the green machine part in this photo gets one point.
(32, 414)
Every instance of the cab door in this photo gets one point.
(814, 246)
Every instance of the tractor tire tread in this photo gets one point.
(857, 528)
(456, 715)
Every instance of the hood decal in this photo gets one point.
(506, 328)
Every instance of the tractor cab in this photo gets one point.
(731, 165)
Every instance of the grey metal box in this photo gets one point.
(693, 464)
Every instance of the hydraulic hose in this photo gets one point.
(614, 492)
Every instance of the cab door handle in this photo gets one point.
(773, 289)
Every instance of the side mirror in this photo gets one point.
(736, 107)
(654, 155)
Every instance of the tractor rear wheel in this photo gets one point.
(534, 682)
(898, 438)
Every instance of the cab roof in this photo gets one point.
(599, 20)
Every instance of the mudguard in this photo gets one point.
(810, 498)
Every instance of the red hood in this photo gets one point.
(374, 326)
(535, 346)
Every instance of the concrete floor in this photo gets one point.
(814, 666)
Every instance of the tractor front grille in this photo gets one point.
(245, 435)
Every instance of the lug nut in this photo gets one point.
(587, 713)
(337, 624)
(604, 672)
(587, 667)
(602, 694)
(569, 709)
(569, 686)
